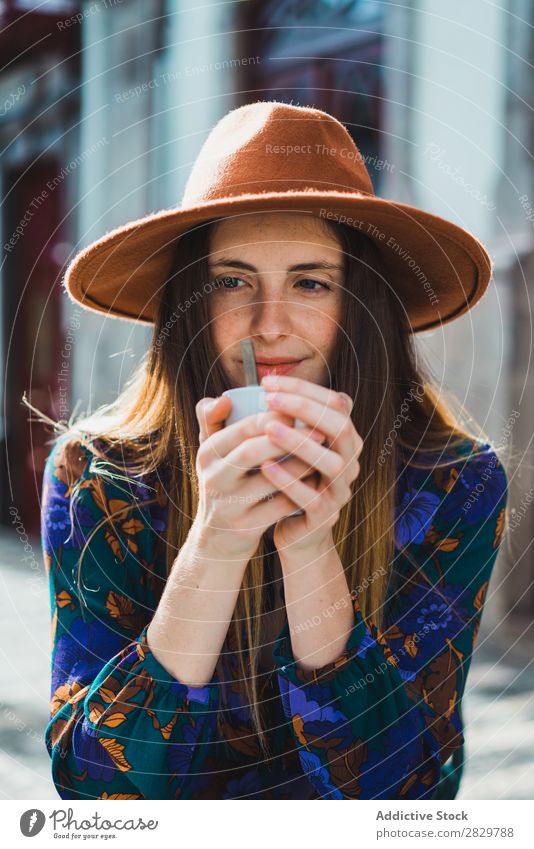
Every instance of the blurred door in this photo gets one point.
(32, 329)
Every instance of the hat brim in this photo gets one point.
(438, 269)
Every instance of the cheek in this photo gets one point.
(219, 334)
(321, 329)
(225, 330)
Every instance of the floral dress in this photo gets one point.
(382, 721)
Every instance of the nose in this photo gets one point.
(271, 317)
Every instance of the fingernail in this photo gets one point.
(348, 400)
(270, 381)
(211, 404)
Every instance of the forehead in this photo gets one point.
(292, 231)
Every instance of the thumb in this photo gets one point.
(211, 415)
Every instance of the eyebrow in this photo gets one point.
(303, 266)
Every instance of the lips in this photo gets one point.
(276, 368)
(275, 361)
(274, 365)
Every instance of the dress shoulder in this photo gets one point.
(72, 458)
(462, 487)
(68, 458)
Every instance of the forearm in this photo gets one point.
(191, 621)
(319, 606)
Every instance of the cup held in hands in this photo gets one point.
(247, 400)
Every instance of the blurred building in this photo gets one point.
(436, 101)
(39, 118)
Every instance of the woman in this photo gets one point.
(204, 646)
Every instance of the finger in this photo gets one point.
(295, 465)
(315, 391)
(301, 493)
(326, 461)
(288, 458)
(303, 432)
(261, 489)
(226, 439)
(211, 414)
(250, 454)
(333, 421)
(268, 512)
(351, 449)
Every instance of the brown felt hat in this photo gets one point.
(273, 156)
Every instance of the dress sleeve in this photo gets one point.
(381, 720)
(120, 726)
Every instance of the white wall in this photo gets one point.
(446, 132)
(153, 137)
(197, 76)
(114, 182)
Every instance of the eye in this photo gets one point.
(319, 283)
(219, 282)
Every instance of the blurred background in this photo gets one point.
(103, 109)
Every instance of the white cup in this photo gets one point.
(246, 401)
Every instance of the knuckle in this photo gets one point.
(202, 455)
(332, 398)
(314, 505)
(210, 486)
(249, 426)
(295, 467)
(245, 454)
(338, 465)
(300, 405)
(347, 427)
(200, 408)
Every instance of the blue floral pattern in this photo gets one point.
(382, 721)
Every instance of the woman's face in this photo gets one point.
(279, 283)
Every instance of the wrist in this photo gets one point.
(219, 546)
(312, 549)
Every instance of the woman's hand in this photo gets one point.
(236, 503)
(335, 463)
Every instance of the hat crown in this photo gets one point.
(270, 146)
(271, 156)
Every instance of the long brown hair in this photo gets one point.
(153, 423)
